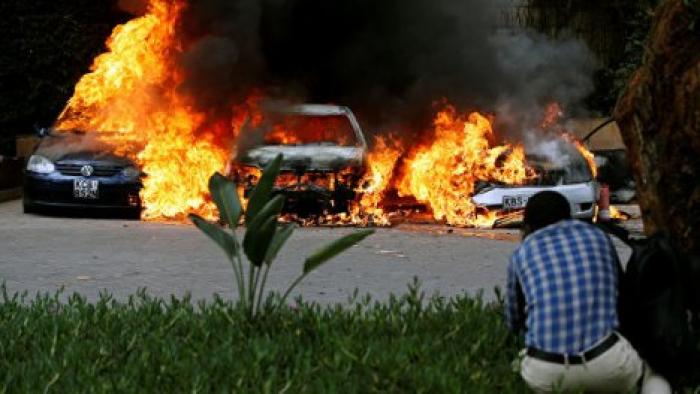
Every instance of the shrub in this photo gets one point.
(407, 344)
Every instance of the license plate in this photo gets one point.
(514, 202)
(86, 188)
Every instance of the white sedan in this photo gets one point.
(562, 170)
(581, 197)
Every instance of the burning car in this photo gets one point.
(605, 141)
(324, 157)
(73, 170)
(559, 167)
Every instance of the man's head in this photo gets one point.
(543, 209)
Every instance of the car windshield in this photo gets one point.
(60, 144)
(299, 129)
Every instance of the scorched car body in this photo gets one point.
(324, 153)
(69, 170)
(565, 171)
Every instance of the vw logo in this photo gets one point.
(87, 170)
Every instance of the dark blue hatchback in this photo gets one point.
(72, 171)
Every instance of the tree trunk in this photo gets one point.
(659, 117)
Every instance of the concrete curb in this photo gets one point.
(10, 194)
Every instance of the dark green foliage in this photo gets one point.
(263, 190)
(278, 241)
(46, 46)
(223, 192)
(637, 29)
(261, 230)
(145, 345)
(694, 8)
(222, 238)
(616, 32)
(263, 238)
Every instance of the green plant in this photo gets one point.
(263, 238)
(405, 343)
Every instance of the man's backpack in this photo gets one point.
(659, 304)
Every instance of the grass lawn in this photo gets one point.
(407, 344)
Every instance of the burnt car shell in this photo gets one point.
(341, 165)
(567, 173)
(76, 158)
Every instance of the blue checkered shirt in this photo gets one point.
(562, 288)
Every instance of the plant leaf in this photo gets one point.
(258, 235)
(333, 249)
(261, 194)
(278, 240)
(259, 241)
(272, 208)
(226, 241)
(224, 194)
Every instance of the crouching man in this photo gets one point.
(562, 292)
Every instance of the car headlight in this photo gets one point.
(131, 172)
(40, 164)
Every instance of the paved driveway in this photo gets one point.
(40, 254)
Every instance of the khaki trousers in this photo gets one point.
(618, 370)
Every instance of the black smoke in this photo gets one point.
(389, 60)
(223, 58)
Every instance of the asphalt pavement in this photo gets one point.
(43, 254)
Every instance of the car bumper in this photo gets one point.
(56, 191)
(582, 197)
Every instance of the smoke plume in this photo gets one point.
(389, 60)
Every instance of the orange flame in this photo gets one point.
(616, 214)
(444, 172)
(303, 130)
(552, 115)
(380, 167)
(131, 90)
(587, 154)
